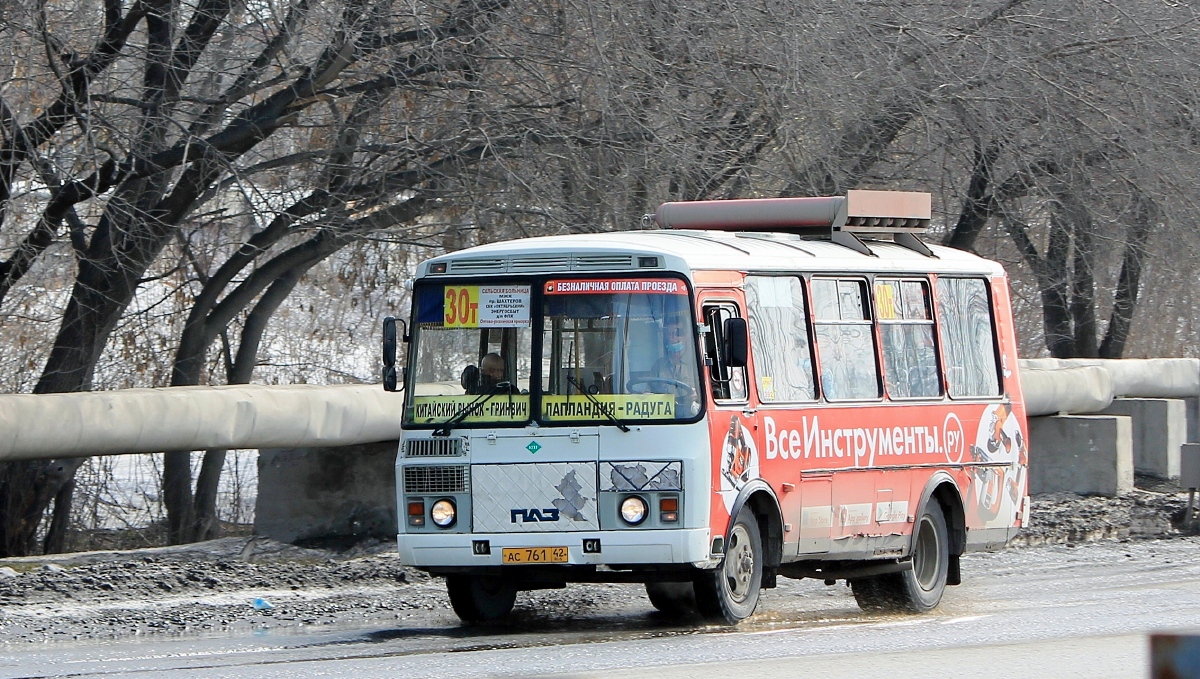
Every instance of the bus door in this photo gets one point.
(785, 390)
(732, 421)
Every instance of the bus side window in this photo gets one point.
(845, 344)
(779, 339)
(910, 368)
(728, 384)
(968, 337)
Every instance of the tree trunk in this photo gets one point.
(977, 208)
(116, 259)
(177, 496)
(1056, 315)
(56, 536)
(204, 519)
(26, 490)
(205, 525)
(1083, 283)
(1125, 297)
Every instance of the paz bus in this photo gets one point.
(746, 389)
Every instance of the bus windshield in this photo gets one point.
(470, 342)
(628, 343)
(612, 351)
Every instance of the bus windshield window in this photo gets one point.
(471, 342)
(628, 343)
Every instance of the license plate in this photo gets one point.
(534, 555)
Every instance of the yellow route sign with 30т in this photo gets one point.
(462, 306)
(486, 306)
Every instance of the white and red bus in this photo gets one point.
(757, 388)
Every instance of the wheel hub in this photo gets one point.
(739, 564)
(925, 556)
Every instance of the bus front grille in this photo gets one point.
(602, 262)
(429, 480)
(440, 447)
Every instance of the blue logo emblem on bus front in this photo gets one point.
(534, 515)
(533, 447)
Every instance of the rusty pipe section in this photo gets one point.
(47, 426)
(753, 214)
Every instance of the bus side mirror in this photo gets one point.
(390, 335)
(736, 342)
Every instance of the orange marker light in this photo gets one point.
(668, 508)
(416, 513)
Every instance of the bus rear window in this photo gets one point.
(968, 337)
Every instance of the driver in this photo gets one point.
(491, 372)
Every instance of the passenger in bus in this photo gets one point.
(671, 365)
(673, 373)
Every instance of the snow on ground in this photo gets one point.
(123, 491)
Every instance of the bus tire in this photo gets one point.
(480, 599)
(676, 599)
(729, 593)
(918, 590)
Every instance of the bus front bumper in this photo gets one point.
(615, 547)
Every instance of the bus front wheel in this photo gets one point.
(480, 599)
(917, 590)
(730, 593)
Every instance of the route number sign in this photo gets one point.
(486, 306)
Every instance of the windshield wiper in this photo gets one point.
(444, 429)
(599, 406)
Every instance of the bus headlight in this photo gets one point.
(634, 510)
(443, 513)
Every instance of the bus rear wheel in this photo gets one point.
(917, 590)
(480, 599)
(729, 594)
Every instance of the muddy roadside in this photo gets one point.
(247, 585)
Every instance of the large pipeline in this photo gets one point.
(1135, 377)
(1066, 390)
(42, 426)
(252, 416)
(1089, 385)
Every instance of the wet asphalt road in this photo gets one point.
(1044, 612)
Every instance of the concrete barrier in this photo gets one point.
(1159, 429)
(1192, 404)
(327, 493)
(1083, 454)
